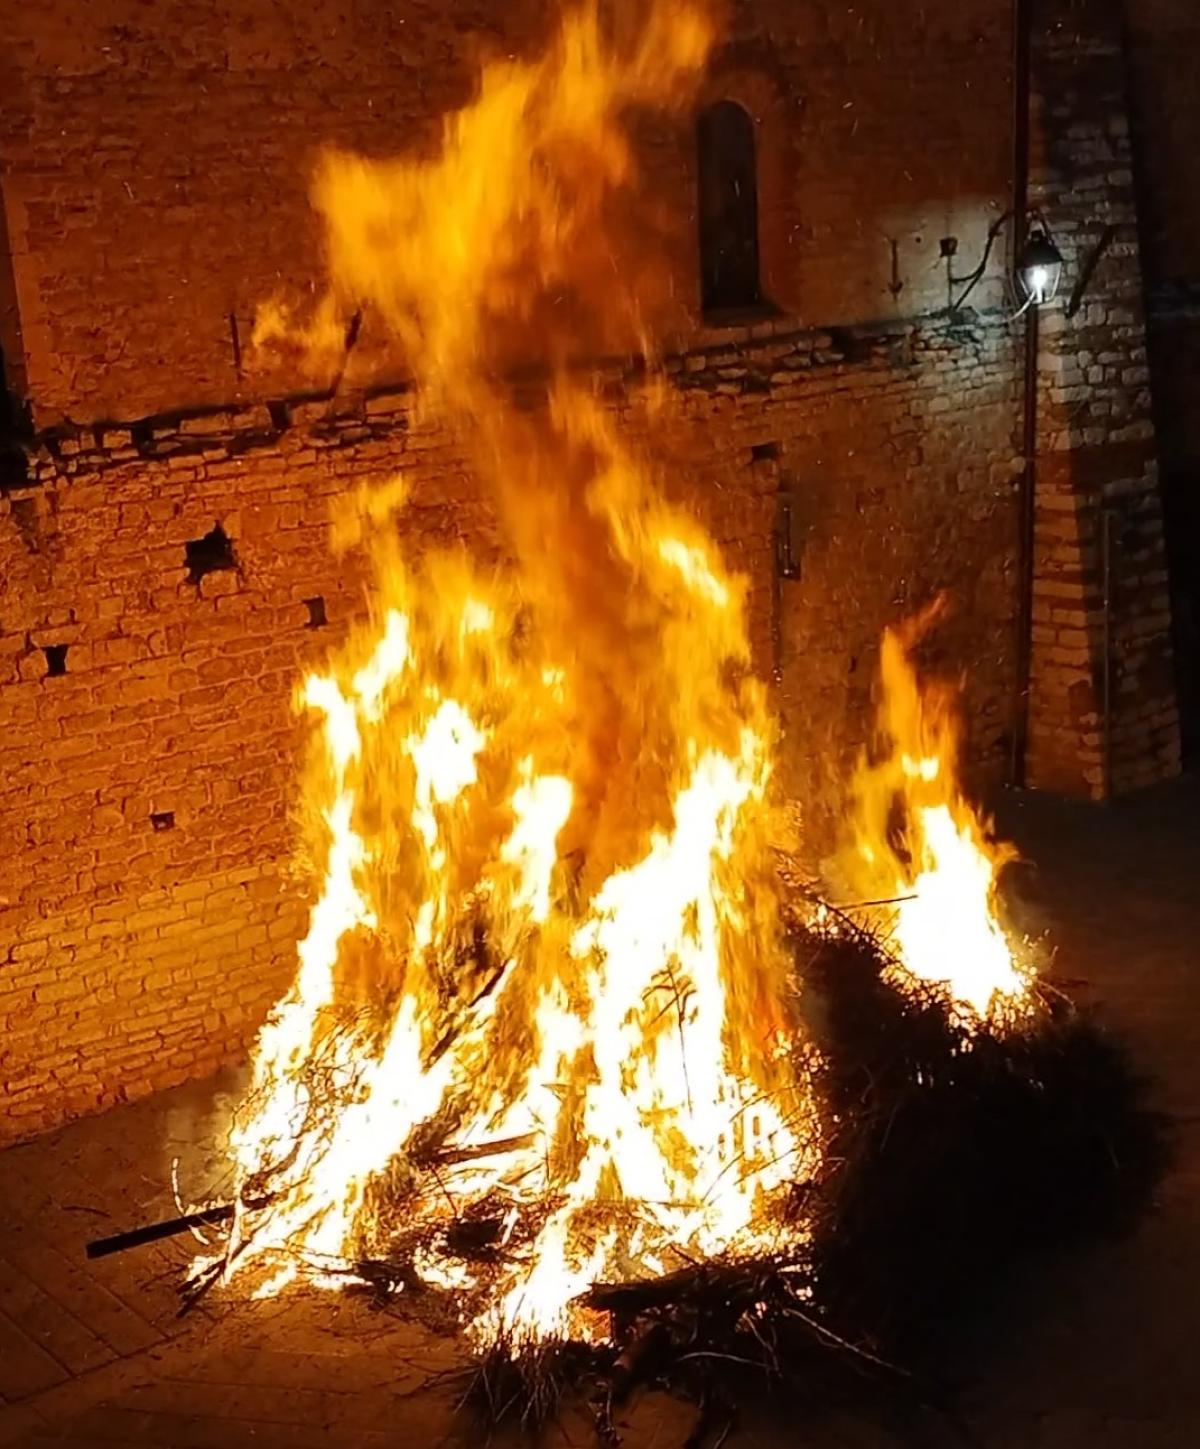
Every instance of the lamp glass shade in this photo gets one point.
(1040, 267)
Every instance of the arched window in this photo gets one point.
(728, 208)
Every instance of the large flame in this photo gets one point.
(545, 940)
(919, 846)
(543, 976)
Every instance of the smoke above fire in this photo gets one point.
(545, 960)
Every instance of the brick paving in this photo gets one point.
(1094, 1349)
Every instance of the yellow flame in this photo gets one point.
(538, 799)
(920, 846)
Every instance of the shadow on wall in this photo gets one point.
(1181, 522)
(13, 427)
(1164, 50)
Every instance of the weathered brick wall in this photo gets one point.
(154, 164)
(135, 956)
(1097, 460)
(156, 159)
(902, 470)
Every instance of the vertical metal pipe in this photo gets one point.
(1022, 62)
(1106, 670)
(786, 567)
(1026, 531)
(1027, 487)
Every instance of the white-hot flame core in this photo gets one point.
(921, 847)
(624, 1082)
(949, 931)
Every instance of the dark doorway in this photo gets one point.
(728, 209)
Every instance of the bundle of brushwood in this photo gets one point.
(953, 1152)
(952, 1149)
(956, 1150)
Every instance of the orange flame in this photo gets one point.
(539, 798)
(546, 935)
(920, 846)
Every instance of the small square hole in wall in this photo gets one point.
(162, 820)
(764, 452)
(56, 660)
(317, 617)
(210, 554)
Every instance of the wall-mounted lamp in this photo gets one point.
(1039, 267)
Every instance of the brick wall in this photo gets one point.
(154, 163)
(156, 159)
(136, 956)
(1103, 714)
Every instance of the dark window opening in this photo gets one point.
(728, 209)
(317, 618)
(56, 660)
(209, 554)
(162, 820)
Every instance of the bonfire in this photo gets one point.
(561, 1054)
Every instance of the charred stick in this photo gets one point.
(171, 1228)
(455, 1029)
(639, 1359)
(353, 328)
(633, 1298)
(195, 1290)
(223, 1212)
(695, 1285)
(447, 1156)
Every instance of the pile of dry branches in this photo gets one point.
(949, 1153)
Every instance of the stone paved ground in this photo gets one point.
(1095, 1350)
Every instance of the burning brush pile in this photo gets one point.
(563, 1066)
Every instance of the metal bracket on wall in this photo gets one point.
(787, 565)
(236, 342)
(896, 285)
(1088, 270)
